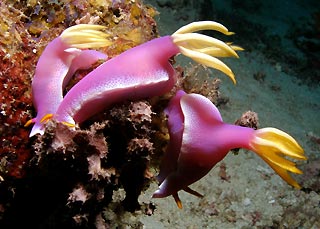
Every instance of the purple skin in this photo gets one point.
(199, 139)
(54, 69)
(141, 72)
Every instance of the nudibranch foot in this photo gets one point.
(272, 145)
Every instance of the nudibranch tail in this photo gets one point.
(85, 36)
(204, 49)
(271, 145)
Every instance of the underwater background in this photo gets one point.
(102, 175)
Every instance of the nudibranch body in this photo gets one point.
(199, 139)
(58, 62)
(143, 71)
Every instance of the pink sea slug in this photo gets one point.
(58, 62)
(199, 139)
(143, 71)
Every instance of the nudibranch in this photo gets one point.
(58, 62)
(144, 71)
(199, 139)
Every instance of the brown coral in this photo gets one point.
(248, 119)
(198, 79)
(15, 73)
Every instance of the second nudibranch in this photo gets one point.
(199, 139)
(58, 62)
(144, 71)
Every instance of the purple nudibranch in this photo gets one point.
(141, 72)
(199, 139)
(59, 61)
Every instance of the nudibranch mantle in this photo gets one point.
(199, 139)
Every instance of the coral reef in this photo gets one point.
(16, 69)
